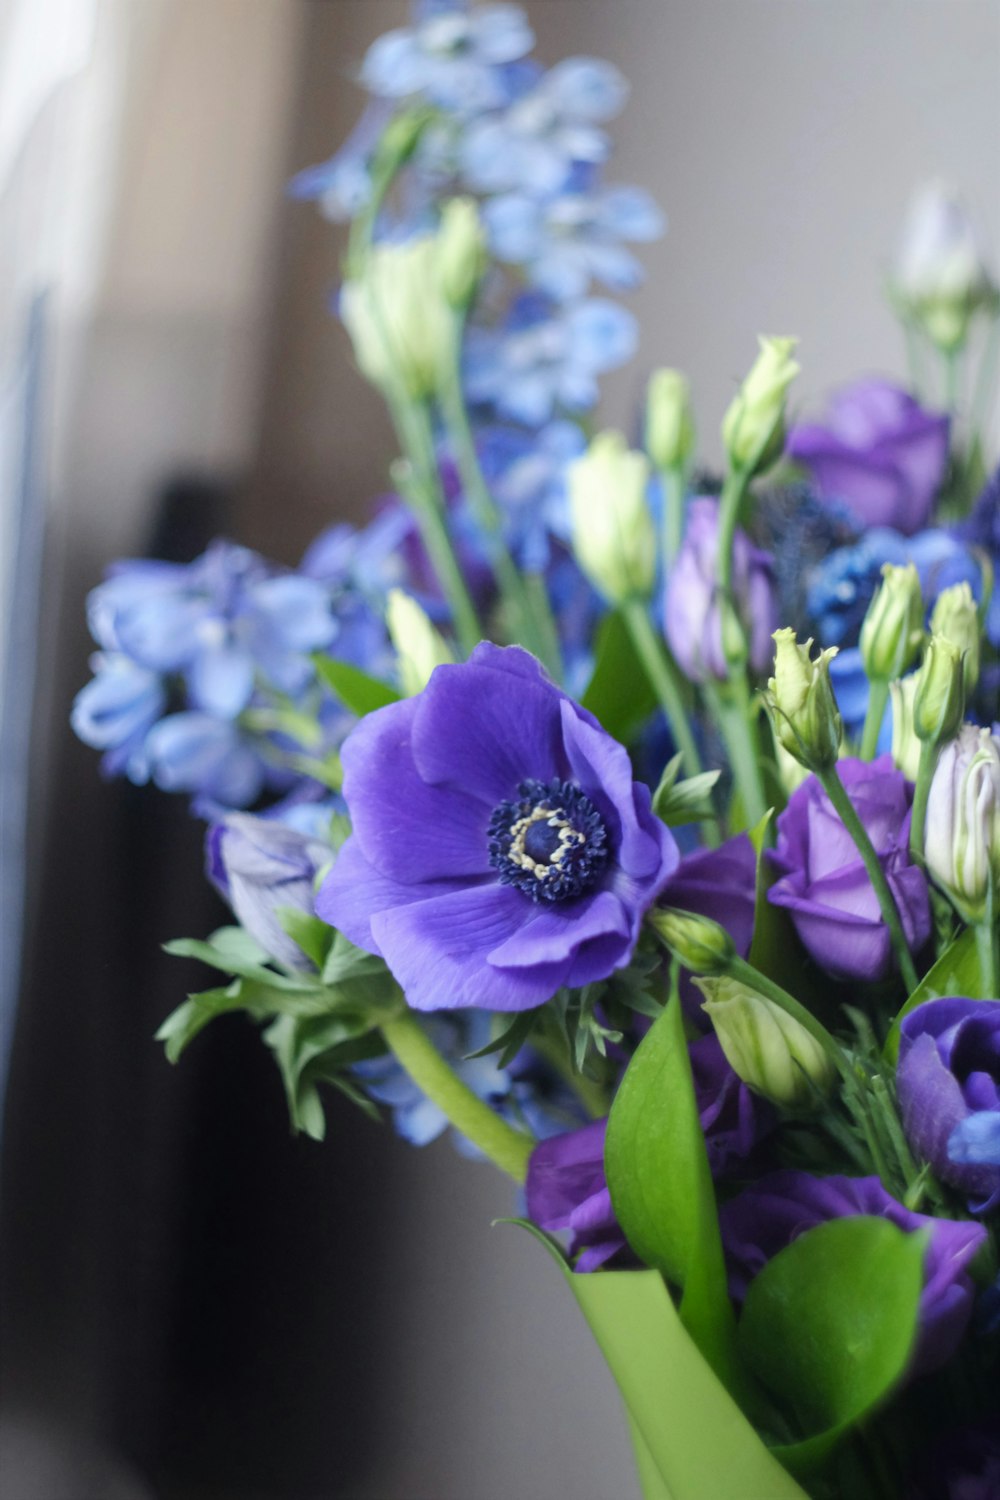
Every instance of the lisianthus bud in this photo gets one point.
(893, 627)
(669, 424)
(697, 942)
(461, 252)
(962, 840)
(939, 695)
(803, 707)
(772, 1052)
(941, 280)
(419, 647)
(905, 745)
(613, 534)
(956, 617)
(753, 429)
(398, 319)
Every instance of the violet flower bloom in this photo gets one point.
(259, 866)
(721, 884)
(879, 451)
(949, 1071)
(692, 617)
(500, 848)
(764, 1218)
(824, 884)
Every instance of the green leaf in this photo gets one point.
(258, 999)
(319, 1050)
(828, 1342)
(511, 1039)
(619, 694)
(677, 802)
(661, 1185)
(355, 689)
(701, 1444)
(312, 934)
(957, 972)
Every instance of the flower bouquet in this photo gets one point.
(540, 817)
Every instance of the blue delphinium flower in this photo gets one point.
(116, 710)
(526, 473)
(452, 55)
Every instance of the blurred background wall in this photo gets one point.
(196, 1306)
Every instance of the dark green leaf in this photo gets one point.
(313, 935)
(829, 1343)
(319, 1050)
(234, 951)
(661, 1186)
(957, 972)
(618, 694)
(678, 802)
(510, 1040)
(355, 689)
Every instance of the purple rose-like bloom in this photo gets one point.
(949, 1070)
(879, 451)
(824, 884)
(764, 1218)
(721, 884)
(500, 847)
(692, 618)
(566, 1187)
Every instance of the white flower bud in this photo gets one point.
(956, 617)
(669, 423)
(398, 319)
(419, 647)
(941, 279)
(753, 429)
(696, 941)
(962, 838)
(893, 627)
(802, 703)
(939, 695)
(905, 745)
(614, 538)
(461, 252)
(772, 1052)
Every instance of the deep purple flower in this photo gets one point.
(733, 1118)
(566, 1189)
(766, 1217)
(825, 885)
(259, 866)
(500, 848)
(949, 1069)
(879, 451)
(692, 617)
(721, 884)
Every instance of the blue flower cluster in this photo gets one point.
(187, 653)
(529, 143)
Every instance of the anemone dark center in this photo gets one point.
(551, 842)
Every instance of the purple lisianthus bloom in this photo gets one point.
(764, 1218)
(879, 451)
(692, 617)
(733, 1118)
(949, 1073)
(259, 866)
(501, 848)
(823, 882)
(566, 1189)
(721, 884)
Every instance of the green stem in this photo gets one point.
(878, 697)
(914, 358)
(730, 705)
(740, 969)
(413, 1049)
(844, 807)
(952, 371)
(730, 504)
(591, 1094)
(427, 503)
(987, 941)
(550, 649)
(524, 606)
(672, 481)
(664, 678)
(925, 775)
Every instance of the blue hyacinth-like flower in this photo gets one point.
(452, 55)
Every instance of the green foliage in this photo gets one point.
(355, 689)
(510, 1039)
(661, 1185)
(318, 1049)
(619, 694)
(957, 972)
(829, 1343)
(678, 802)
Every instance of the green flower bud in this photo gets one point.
(956, 617)
(905, 745)
(461, 252)
(696, 942)
(962, 838)
(893, 627)
(772, 1052)
(941, 280)
(398, 319)
(753, 429)
(801, 701)
(939, 695)
(419, 647)
(669, 423)
(614, 538)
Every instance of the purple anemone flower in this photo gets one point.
(824, 884)
(766, 1217)
(949, 1072)
(879, 451)
(500, 847)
